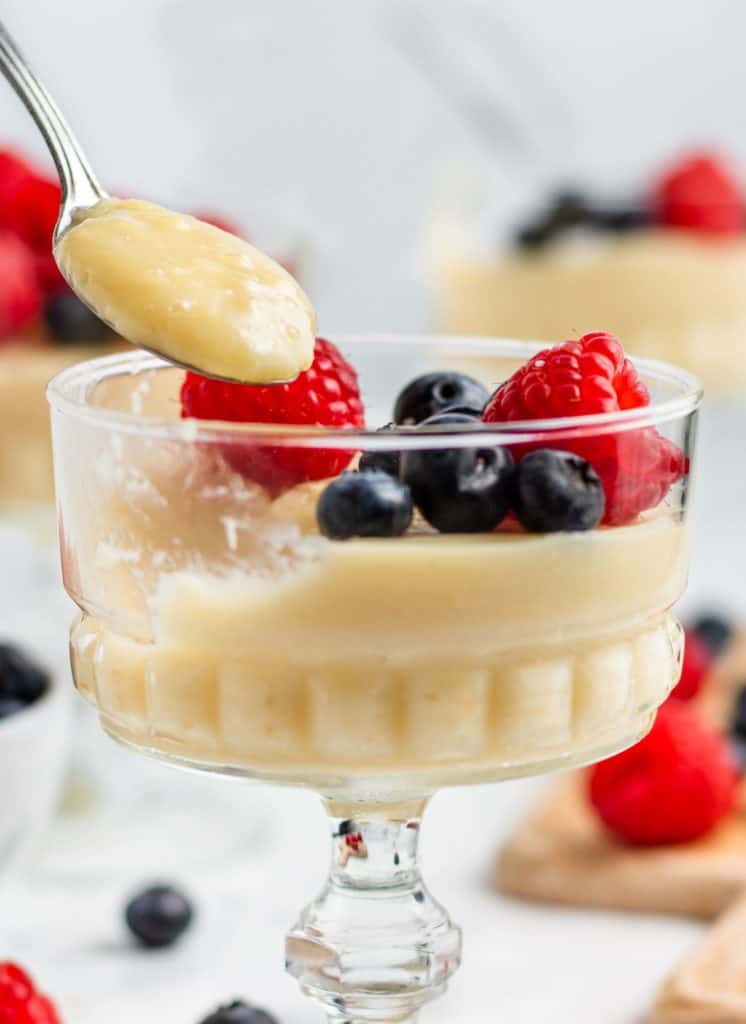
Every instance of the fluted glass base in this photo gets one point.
(374, 946)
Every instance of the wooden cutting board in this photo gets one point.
(561, 853)
(709, 986)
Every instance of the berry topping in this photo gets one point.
(700, 193)
(239, 1012)
(13, 171)
(459, 490)
(620, 218)
(32, 211)
(580, 378)
(29, 207)
(365, 504)
(738, 719)
(22, 681)
(694, 667)
(20, 1002)
(158, 916)
(385, 461)
(435, 392)
(672, 787)
(70, 321)
(326, 395)
(568, 209)
(20, 295)
(714, 630)
(557, 490)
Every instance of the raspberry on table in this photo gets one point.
(701, 193)
(327, 394)
(672, 787)
(694, 667)
(20, 1001)
(582, 378)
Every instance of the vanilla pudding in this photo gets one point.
(220, 628)
(190, 291)
(670, 295)
(367, 660)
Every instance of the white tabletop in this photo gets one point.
(522, 963)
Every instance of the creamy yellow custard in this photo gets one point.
(409, 657)
(189, 291)
(668, 294)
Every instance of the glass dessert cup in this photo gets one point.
(220, 631)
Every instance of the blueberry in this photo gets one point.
(72, 322)
(21, 678)
(556, 490)
(459, 490)
(385, 462)
(10, 705)
(738, 717)
(159, 915)
(620, 218)
(714, 631)
(367, 504)
(737, 746)
(566, 210)
(432, 393)
(239, 1012)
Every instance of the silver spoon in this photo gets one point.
(80, 187)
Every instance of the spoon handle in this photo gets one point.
(79, 184)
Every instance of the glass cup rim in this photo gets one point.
(63, 397)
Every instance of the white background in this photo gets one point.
(306, 113)
(306, 116)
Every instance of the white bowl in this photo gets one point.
(33, 749)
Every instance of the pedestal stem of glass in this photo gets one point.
(374, 946)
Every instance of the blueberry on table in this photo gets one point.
(71, 322)
(557, 491)
(158, 916)
(21, 678)
(714, 630)
(239, 1012)
(10, 706)
(364, 504)
(432, 393)
(385, 461)
(459, 490)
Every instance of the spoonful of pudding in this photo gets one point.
(188, 291)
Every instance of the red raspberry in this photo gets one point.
(29, 207)
(20, 295)
(326, 395)
(700, 193)
(694, 668)
(33, 209)
(48, 274)
(578, 378)
(672, 787)
(20, 1003)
